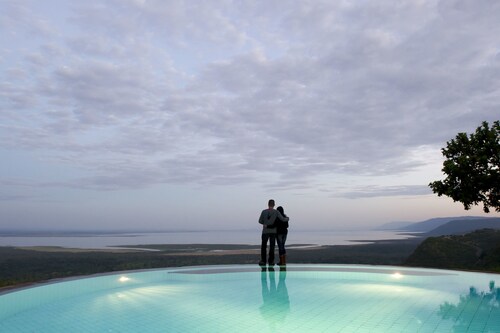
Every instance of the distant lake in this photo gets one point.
(97, 240)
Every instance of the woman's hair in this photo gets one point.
(281, 210)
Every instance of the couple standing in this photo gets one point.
(274, 228)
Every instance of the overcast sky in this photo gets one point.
(192, 114)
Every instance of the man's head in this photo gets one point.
(271, 203)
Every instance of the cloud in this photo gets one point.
(136, 93)
(373, 191)
(19, 17)
(14, 197)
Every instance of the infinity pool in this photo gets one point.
(243, 298)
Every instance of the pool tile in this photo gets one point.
(247, 301)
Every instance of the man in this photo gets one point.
(267, 219)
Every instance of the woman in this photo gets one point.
(281, 233)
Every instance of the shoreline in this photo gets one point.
(104, 241)
(198, 249)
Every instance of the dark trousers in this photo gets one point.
(281, 239)
(263, 248)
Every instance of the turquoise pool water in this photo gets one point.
(242, 298)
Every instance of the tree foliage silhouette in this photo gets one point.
(472, 167)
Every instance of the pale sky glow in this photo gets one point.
(192, 114)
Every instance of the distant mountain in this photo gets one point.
(394, 226)
(478, 250)
(428, 225)
(460, 227)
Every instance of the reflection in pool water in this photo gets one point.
(242, 298)
(276, 303)
(474, 310)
